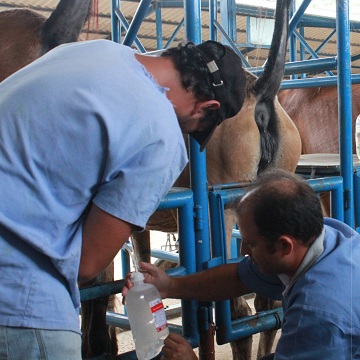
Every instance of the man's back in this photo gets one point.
(71, 134)
(322, 309)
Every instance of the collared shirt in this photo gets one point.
(84, 123)
(322, 302)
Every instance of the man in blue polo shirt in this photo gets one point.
(295, 255)
(91, 140)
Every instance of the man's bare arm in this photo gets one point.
(103, 236)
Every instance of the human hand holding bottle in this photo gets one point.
(153, 275)
(177, 348)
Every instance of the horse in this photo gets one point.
(314, 111)
(259, 137)
(25, 35)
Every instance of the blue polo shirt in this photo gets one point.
(84, 123)
(322, 302)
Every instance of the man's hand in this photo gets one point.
(177, 348)
(153, 275)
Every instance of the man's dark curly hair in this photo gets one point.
(193, 71)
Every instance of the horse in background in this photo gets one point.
(315, 114)
(25, 35)
(261, 136)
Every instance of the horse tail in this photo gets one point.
(267, 86)
(65, 23)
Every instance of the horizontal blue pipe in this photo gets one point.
(102, 290)
(316, 82)
(248, 326)
(299, 67)
(177, 197)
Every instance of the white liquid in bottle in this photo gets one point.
(147, 318)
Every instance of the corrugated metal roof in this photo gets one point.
(170, 20)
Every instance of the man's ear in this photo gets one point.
(202, 106)
(285, 244)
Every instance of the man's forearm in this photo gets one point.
(219, 283)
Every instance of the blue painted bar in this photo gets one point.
(172, 37)
(297, 67)
(136, 22)
(115, 24)
(159, 37)
(345, 106)
(246, 326)
(316, 82)
(122, 20)
(296, 18)
(98, 291)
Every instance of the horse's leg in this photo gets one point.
(97, 337)
(325, 203)
(241, 349)
(141, 246)
(267, 337)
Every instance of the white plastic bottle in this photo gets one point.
(147, 317)
(357, 136)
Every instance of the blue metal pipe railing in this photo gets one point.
(136, 21)
(345, 106)
(315, 82)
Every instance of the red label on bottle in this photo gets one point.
(158, 311)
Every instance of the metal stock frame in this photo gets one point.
(194, 205)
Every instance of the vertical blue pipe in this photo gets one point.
(345, 106)
(115, 23)
(187, 256)
(302, 50)
(198, 179)
(228, 18)
(292, 42)
(136, 22)
(198, 159)
(159, 40)
(298, 14)
(212, 18)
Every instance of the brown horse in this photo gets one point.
(315, 114)
(259, 137)
(25, 35)
(318, 105)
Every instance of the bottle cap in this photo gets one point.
(136, 277)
